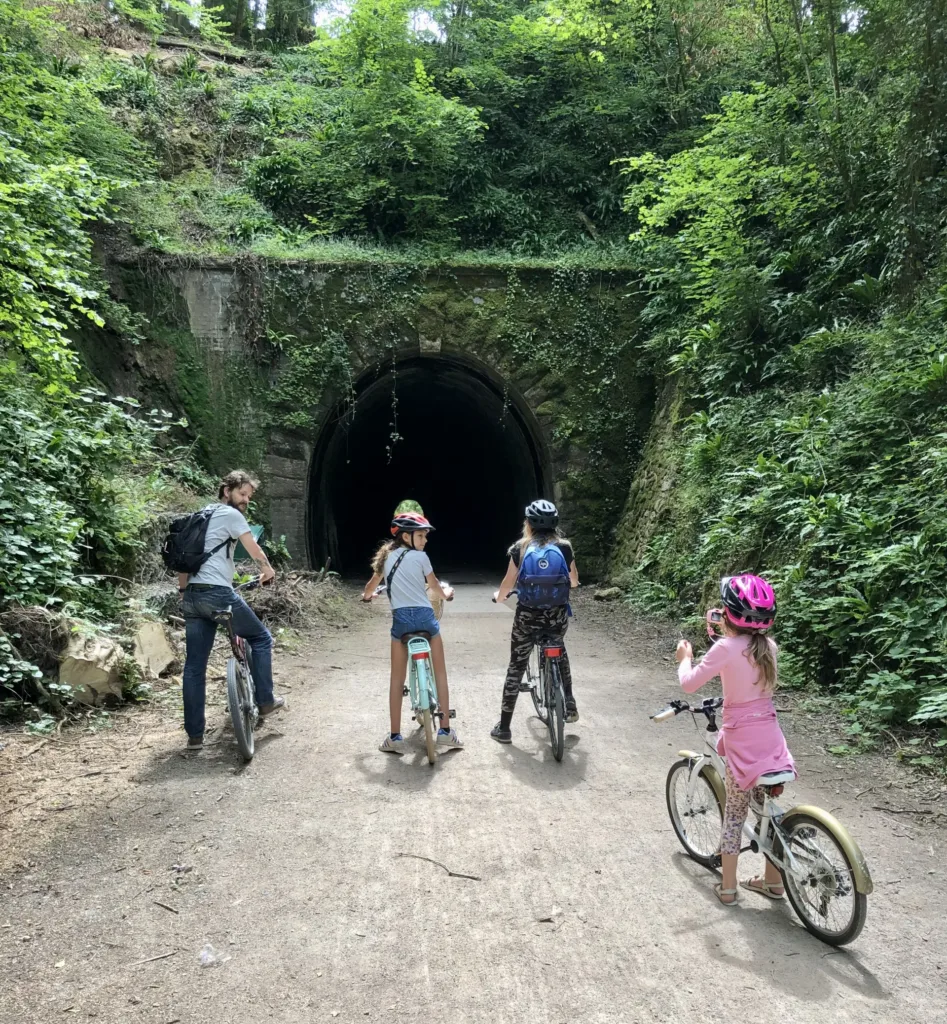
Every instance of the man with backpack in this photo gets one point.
(200, 548)
(542, 571)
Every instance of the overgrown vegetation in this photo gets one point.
(774, 172)
(796, 255)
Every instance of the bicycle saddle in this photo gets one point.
(775, 778)
(415, 636)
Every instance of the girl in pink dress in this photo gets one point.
(750, 737)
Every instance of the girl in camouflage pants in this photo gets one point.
(533, 624)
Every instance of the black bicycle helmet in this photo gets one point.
(542, 515)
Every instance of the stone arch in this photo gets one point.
(468, 447)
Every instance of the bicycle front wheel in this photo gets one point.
(242, 709)
(822, 888)
(557, 710)
(697, 819)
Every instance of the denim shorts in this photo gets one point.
(413, 620)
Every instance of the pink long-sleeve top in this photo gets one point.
(750, 737)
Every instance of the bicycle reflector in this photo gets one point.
(420, 656)
(553, 652)
(775, 790)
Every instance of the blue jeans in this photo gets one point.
(199, 608)
(413, 620)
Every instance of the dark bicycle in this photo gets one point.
(241, 692)
(544, 682)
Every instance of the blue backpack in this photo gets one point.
(543, 580)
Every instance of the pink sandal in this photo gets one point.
(721, 892)
(763, 888)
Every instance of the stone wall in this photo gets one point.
(261, 355)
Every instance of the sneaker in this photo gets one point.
(572, 712)
(393, 746)
(501, 735)
(195, 743)
(270, 709)
(447, 739)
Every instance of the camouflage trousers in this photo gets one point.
(530, 625)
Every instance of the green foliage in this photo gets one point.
(783, 299)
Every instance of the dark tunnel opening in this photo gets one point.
(470, 456)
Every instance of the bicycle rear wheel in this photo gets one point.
(824, 896)
(242, 708)
(537, 690)
(557, 709)
(426, 697)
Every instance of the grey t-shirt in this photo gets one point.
(407, 588)
(227, 523)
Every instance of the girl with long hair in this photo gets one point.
(750, 738)
(544, 612)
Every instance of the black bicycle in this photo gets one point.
(241, 692)
(544, 682)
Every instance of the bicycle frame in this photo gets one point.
(421, 685)
(769, 814)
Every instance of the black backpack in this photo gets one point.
(183, 549)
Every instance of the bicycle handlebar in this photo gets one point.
(251, 583)
(707, 708)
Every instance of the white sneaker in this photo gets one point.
(449, 740)
(393, 746)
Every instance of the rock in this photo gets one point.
(93, 668)
(153, 653)
(608, 594)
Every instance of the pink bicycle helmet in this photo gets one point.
(748, 601)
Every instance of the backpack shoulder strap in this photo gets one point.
(394, 569)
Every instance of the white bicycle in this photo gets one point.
(824, 871)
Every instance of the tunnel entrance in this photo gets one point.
(443, 432)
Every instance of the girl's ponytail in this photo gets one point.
(378, 562)
(763, 653)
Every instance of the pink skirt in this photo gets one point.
(752, 741)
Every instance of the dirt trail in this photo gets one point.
(294, 872)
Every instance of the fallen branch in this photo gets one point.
(33, 750)
(437, 863)
(151, 959)
(901, 810)
(164, 906)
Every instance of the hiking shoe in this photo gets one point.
(572, 712)
(195, 743)
(501, 735)
(393, 745)
(277, 704)
(447, 739)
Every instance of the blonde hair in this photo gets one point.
(762, 652)
(552, 536)
(378, 561)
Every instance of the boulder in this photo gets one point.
(153, 653)
(93, 668)
(609, 594)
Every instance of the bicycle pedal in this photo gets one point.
(404, 691)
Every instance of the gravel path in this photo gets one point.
(584, 908)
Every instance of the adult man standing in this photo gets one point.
(210, 590)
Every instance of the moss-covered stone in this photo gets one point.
(259, 354)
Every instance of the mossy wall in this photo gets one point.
(259, 356)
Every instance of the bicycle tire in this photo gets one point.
(801, 827)
(536, 689)
(429, 741)
(708, 803)
(239, 695)
(557, 712)
(429, 705)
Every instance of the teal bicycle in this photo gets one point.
(422, 690)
